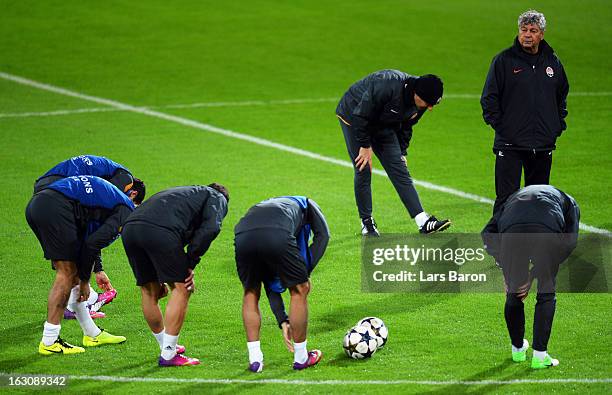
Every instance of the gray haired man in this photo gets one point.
(524, 100)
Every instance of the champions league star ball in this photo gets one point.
(378, 327)
(360, 342)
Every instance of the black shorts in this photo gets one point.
(52, 218)
(530, 252)
(155, 254)
(265, 254)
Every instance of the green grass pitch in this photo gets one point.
(160, 54)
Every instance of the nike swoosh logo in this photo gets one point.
(516, 71)
(56, 352)
(392, 110)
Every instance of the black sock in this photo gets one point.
(542, 320)
(515, 319)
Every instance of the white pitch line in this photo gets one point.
(56, 113)
(338, 382)
(246, 103)
(246, 137)
(251, 103)
(590, 94)
(477, 95)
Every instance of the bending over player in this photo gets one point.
(73, 219)
(271, 243)
(154, 238)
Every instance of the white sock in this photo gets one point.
(72, 299)
(300, 355)
(540, 354)
(421, 218)
(523, 348)
(255, 354)
(93, 296)
(169, 346)
(50, 333)
(160, 337)
(82, 315)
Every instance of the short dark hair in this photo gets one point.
(221, 189)
(139, 186)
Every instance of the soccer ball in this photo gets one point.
(360, 342)
(378, 327)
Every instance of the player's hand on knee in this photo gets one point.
(286, 328)
(189, 283)
(364, 158)
(523, 291)
(83, 291)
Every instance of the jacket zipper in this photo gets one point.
(533, 104)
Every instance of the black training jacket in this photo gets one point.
(194, 213)
(535, 205)
(381, 100)
(525, 98)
